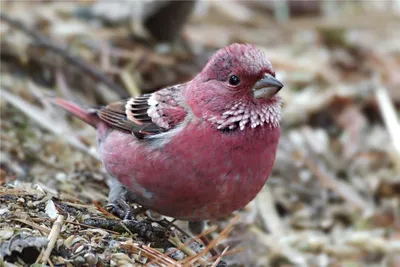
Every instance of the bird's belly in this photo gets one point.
(192, 177)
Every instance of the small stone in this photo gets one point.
(61, 176)
(79, 260)
(77, 248)
(90, 258)
(176, 254)
(30, 204)
(196, 247)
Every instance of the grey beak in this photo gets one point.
(266, 87)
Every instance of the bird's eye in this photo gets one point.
(234, 80)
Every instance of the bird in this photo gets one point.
(198, 150)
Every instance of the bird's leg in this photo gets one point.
(119, 199)
(198, 227)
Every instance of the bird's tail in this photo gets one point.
(90, 117)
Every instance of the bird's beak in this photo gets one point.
(266, 87)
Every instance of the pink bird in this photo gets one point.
(197, 150)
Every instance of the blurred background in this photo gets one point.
(333, 197)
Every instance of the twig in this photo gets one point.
(351, 243)
(63, 86)
(230, 252)
(50, 263)
(152, 254)
(104, 211)
(92, 227)
(268, 213)
(39, 257)
(277, 247)
(326, 178)
(54, 233)
(213, 243)
(187, 250)
(51, 45)
(331, 182)
(220, 257)
(33, 225)
(71, 222)
(130, 83)
(184, 246)
(389, 116)
(44, 121)
(126, 228)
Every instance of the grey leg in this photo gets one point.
(196, 227)
(118, 191)
(119, 199)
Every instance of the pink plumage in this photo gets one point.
(197, 150)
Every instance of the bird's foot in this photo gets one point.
(119, 199)
(123, 210)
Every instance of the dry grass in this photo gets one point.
(332, 200)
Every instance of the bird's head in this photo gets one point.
(237, 88)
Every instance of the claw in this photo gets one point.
(122, 209)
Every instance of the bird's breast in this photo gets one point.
(199, 173)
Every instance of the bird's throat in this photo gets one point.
(241, 114)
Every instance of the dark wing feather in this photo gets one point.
(114, 115)
(132, 115)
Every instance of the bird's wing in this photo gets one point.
(147, 114)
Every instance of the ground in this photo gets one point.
(332, 199)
